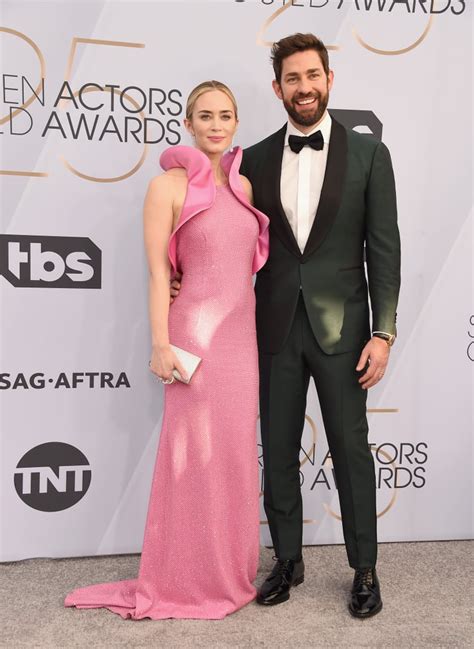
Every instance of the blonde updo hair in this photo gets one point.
(207, 86)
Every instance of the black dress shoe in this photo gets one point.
(365, 595)
(276, 588)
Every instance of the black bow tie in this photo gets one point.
(315, 141)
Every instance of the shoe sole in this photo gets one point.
(364, 616)
(283, 598)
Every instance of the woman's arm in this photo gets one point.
(158, 224)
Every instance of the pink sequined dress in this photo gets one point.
(201, 543)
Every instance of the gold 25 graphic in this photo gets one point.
(69, 66)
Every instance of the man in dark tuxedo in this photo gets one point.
(329, 193)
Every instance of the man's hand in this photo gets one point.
(376, 353)
(175, 287)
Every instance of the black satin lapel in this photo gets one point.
(279, 222)
(332, 189)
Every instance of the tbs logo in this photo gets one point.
(52, 477)
(362, 121)
(50, 262)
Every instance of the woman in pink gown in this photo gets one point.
(201, 542)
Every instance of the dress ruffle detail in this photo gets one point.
(201, 194)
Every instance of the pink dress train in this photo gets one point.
(201, 541)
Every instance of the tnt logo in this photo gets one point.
(50, 262)
(52, 477)
(362, 121)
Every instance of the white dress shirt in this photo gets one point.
(302, 176)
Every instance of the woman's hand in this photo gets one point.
(175, 287)
(163, 362)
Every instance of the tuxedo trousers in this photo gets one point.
(284, 380)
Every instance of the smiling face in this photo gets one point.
(213, 122)
(304, 88)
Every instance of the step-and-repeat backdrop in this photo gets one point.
(91, 93)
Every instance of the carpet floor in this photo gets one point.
(426, 588)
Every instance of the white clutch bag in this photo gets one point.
(189, 361)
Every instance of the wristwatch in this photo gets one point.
(389, 338)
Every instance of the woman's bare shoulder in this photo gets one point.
(176, 172)
(169, 181)
(247, 185)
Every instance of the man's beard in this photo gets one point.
(310, 117)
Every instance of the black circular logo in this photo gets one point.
(52, 476)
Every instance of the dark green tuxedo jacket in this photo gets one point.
(357, 208)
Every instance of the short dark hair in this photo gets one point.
(289, 45)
